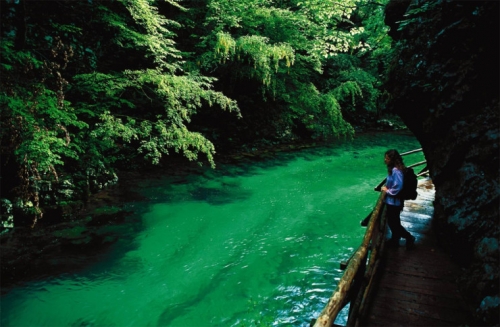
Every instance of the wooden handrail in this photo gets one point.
(412, 151)
(341, 294)
(423, 173)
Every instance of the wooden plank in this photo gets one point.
(386, 316)
(409, 314)
(435, 312)
(421, 271)
(426, 299)
(392, 276)
(428, 257)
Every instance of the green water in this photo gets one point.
(254, 244)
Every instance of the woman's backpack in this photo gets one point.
(409, 191)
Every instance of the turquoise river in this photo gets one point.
(251, 244)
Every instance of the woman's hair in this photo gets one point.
(395, 160)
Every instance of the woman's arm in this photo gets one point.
(395, 183)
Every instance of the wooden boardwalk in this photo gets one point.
(417, 287)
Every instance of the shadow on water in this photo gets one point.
(215, 187)
(225, 194)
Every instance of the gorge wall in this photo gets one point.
(444, 83)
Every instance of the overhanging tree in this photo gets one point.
(87, 82)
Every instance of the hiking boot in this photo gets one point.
(392, 243)
(410, 242)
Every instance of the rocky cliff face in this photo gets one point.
(445, 86)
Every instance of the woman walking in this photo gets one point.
(394, 205)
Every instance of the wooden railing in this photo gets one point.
(356, 284)
(353, 281)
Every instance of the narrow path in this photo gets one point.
(417, 287)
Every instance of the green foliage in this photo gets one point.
(292, 50)
(157, 39)
(351, 85)
(35, 119)
(74, 103)
(321, 113)
(348, 89)
(176, 97)
(129, 84)
(264, 57)
(156, 138)
(160, 125)
(333, 30)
